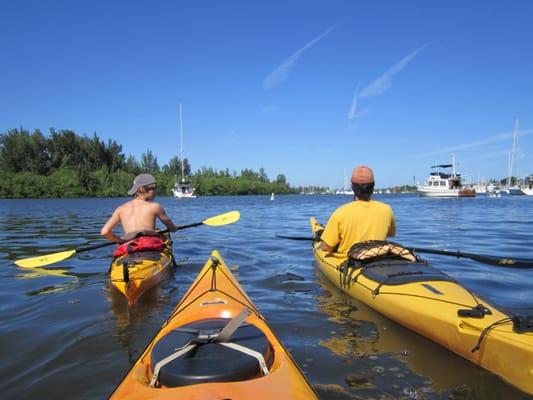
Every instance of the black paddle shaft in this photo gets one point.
(482, 258)
(97, 246)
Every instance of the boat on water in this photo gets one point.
(215, 345)
(133, 274)
(444, 184)
(272, 197)
(184, 188)
(528, 186)
(406, 289)
(345, 192)
(488, 189)
(513, 188)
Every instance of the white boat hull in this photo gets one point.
(428, 191)
(180, 195)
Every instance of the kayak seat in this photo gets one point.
(397, 271)
(210, 361)
(139, 256)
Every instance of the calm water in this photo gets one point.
(71, 337)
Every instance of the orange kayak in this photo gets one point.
(134, 274)
(215, 345)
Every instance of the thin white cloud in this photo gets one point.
(384, 82)
(278, 75)
(497, 154)
(270, 108)
(500, 137)
(352, 112)
(353, 107)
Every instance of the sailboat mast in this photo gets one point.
(181, 142)
(453, 163)
(517, 154)
(513, 152)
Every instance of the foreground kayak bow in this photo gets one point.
(215, 345)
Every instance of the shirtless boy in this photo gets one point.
(138, 214)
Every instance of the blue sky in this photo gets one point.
(308, 89)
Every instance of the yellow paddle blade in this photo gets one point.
(223, 219)
(46, 259)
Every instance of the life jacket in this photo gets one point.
(141, 243)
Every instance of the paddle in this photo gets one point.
(47, 259)
(482, 258)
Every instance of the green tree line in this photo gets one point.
(65, 164)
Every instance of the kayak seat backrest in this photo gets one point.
(397, 271)
(138, 257)
(210, 362)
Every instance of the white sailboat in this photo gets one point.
(183, 189)
(344, 191)
(514, 189)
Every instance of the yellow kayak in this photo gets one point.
(215, 345)
(434, 305)
(134, 274)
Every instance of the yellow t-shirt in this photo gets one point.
(358, 221)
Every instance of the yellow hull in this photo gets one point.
(430, 309)
(144, 274)
(216, 294)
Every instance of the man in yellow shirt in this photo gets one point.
(360, 220)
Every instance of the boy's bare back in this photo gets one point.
(138, 215)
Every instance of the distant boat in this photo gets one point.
(183, 189)
(528, 186)
(272, 196)
(444, 184)
(344, 191)
(514, 190)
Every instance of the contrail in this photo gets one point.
(353, 107)
(278, 75)
(384, 82)
(491, 139)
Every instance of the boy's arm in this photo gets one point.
(164, 218)
(107, 229)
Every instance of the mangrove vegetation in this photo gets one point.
(65, 164)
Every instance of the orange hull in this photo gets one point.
(216, 294)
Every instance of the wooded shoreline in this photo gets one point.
(64, 164)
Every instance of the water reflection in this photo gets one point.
(399, 362)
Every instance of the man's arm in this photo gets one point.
(326, 247)
(107, 229)
(392, 226)
(330, 234)
(164, 218)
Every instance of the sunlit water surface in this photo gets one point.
(65, 334)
